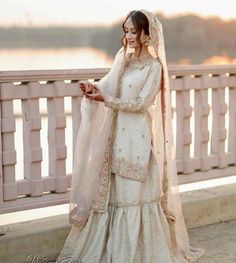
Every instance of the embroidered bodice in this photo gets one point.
(132, 141)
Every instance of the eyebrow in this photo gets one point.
(130, 28)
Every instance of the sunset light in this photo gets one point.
(103, 12)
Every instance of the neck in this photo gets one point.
(144, 52)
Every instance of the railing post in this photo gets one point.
(232, 115)
(31, 139)
(8, 146)
(219, 109)
(201, 131)
(76, 119)
(56, 138)
(184, 112)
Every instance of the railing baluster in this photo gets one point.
(8, 145)
(76, 118)
(201, 132)
(177, 82)
(232, 116)
(219, 109)
(184, 112)
(31, 139)
(56, 138)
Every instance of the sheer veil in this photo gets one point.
(161, 110)
(91, 157)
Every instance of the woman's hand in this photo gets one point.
(97, 95)
(91, 92)
(86, 87)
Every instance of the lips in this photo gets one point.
(131, 42)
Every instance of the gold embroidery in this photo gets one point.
(121, 167)
(134, 105)
(138, 64)
(104, 190)
(140, 203)
(99, 204)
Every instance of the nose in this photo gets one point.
(128, 35)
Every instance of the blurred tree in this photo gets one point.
(187, 37)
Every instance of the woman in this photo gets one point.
(125, 205)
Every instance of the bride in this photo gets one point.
(125, 204)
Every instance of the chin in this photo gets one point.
(133, 46)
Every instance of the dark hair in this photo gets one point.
(140, 22)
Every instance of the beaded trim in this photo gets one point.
(140, 64)
(128, 170)
(140, 203)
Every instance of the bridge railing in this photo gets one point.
(204, 121)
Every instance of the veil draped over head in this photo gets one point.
(91, 170)
(171, 200)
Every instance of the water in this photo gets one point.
(72, 58)
(65, 58)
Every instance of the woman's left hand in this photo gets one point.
(97, 95)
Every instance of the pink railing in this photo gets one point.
(204, 120)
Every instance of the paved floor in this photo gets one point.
(219, 241)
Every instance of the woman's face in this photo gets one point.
(131, 34)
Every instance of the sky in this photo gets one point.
(102, 12)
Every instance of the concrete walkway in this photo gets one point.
(219, 241)
(203, 209)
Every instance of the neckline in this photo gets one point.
(141, 59)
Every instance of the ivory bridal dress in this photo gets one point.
(125, 205)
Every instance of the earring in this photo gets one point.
(148, 41)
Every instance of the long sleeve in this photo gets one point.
(105, 84)
(144, 98)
